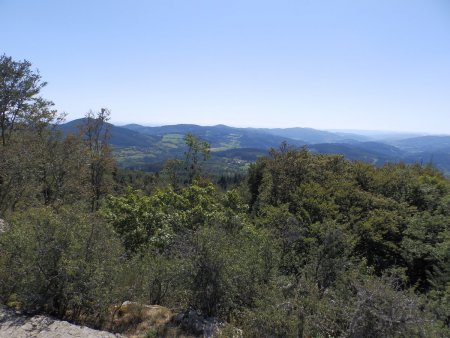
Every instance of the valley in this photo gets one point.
(233, 149)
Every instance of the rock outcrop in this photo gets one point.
(16, 325)
(206, 327)
(3, 225)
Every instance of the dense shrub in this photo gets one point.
(63, 263)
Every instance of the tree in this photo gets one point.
(24, 121)
(172, 172)
(96, 130)
(19, 100)
(196, 148)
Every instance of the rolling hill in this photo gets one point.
(312, 136)
(146, 148)
(424, 144)
(220, 137)
(121, 137)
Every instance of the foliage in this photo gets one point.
(307, 246)
(59, 262)
(96, 134)
(195, 149)
(19, 100)
(225, 277)
(153, 220)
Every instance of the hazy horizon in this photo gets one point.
(375, 132)
(341, 130)
(375, 65)
(159, 124)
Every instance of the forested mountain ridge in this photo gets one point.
(311, 135)
(220, 137)
(120, 137)
(147, 148)
(424, 143)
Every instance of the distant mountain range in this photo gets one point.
(146, 148)
(120, 137)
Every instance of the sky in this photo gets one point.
(326, 64)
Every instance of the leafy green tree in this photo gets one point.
(137, 219)
(25, 118)
(61, 170)
(154, 220)
(172, 171)
(96, 133)
(197, 149)
(19, 100)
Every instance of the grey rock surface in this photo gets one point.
(20, 326)
(3, 225)
(206, 327)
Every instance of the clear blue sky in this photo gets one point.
(361, 64)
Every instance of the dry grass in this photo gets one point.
(138, 321)
(134, 320)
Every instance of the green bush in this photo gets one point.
(229, 268)
(62, 263)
